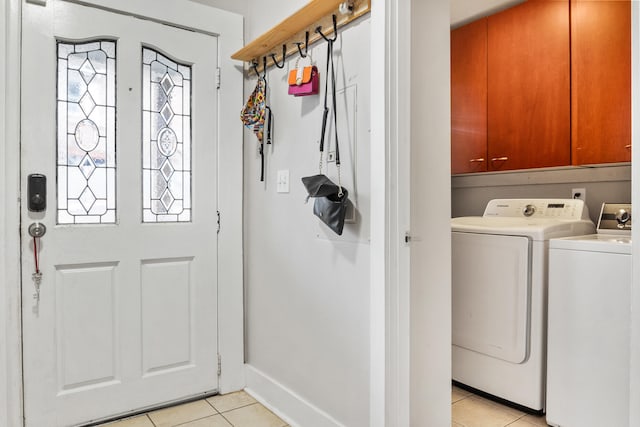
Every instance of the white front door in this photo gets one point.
(120, 114)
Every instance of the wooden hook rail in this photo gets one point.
(287, 36)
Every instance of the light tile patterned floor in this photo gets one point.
(470, 410)
(241, 410)
(230, 410)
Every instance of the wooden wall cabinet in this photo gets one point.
(601, 81)
(469, 98)
(554, 87)
(528, 86)
(510, 90)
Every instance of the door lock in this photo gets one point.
(37, 192)
(37, 229)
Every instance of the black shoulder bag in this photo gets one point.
(330, 204)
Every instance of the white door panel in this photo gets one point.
(127, 316)
(491, 294)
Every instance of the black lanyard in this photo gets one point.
(326, 108)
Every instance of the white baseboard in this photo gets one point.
(285, 403)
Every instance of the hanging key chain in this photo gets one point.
(36, 230)
(37, 276)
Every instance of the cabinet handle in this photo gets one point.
(476, 160)
(628, 147)
(499, 159)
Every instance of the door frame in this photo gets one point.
(228, 27)
(634, 365)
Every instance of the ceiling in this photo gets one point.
(463, 11)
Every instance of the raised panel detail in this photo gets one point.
(490, 291)
(600, 81)
(166, 314)
(469, 98)
(86, 340)
(528, 110)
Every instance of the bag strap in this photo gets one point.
(335, 121)
(326, 113)
(268, 119)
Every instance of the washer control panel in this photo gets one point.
(615, 218)
(570, 209)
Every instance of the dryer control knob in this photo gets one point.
(622, 216)
(529, 210)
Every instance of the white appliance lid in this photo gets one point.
(609, 243)
(540, 219)
(537, 229)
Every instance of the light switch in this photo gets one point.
(283, 181)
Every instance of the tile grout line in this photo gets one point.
(195, 419)
(150, 420)
(246, 406)
(225, 418)
(461, 399)
(208, 416)
(516, 420)
(192, 420)
(240, 407)
(497, 405)
(211, 404)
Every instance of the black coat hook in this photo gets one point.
(284, 56)
(254, 65)
(335, 31)
(306, 45)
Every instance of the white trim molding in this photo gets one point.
(291, 407)
(380, 23)
(430, 171)
(390, 219)
(10, 334)
(634, 377)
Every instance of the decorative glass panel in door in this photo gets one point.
(166, 139)
(86, 125)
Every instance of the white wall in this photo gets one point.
(464, 11)
(263, 15)
(430, 319)
(470, 193)
(236, 6)
(3, 320)
(307, 290)
(3, 250)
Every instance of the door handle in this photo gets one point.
(37, 229)
(499, 159)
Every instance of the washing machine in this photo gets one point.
(499, 294)
(589, 324)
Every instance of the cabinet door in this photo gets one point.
(528, 86)
(469, 98)
(601, 81)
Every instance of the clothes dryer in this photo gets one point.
(499, 294)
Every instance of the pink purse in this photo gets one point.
(304, 81)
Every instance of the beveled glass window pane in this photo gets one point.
(86, 133)
(166, 136)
